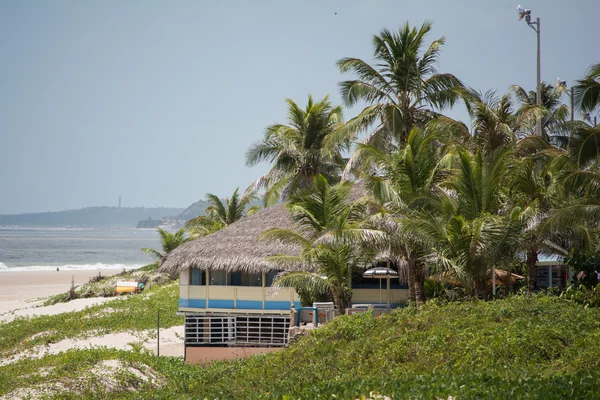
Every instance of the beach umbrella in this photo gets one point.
(381, 273)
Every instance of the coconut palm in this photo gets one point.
(587, 91)
(220, 214)
(404, 183)
(402, 89)
(536, 186)
(327, 228)
(472, 228)
(169, 241)
(296, 151)
(556, 127)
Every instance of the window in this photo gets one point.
(252, 279)
(218, 277)
(196, 276)
(239, 278)
(271, 277)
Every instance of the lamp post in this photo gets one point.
(523, 13)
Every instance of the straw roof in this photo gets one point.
(237, 247)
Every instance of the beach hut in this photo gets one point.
(225, 281)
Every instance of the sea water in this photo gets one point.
(39, 249)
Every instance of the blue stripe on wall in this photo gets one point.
(240, 304)
(277, 305)
(220, 303)
(249, 305)
(192, 303)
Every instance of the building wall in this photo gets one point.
(254, 299)
(203, 355)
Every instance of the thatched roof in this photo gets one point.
(236, 247)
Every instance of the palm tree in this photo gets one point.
(296, 151)
(556, 127)
(536, 186)
(494, 122)
(587, 90)
(219, 214)
(328, 231)
(404, 184)
(402, 89)
(169, 241)
(472, 228)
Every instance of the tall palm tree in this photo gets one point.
(169, 241)
(220, 214)
(296, 150)
(402, 89)
(587, 90)
(404, 184)
(327, 228)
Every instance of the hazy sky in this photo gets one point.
(157, 101)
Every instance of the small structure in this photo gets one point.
(224, 288)
(551, 271)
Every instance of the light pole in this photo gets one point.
(523, 13)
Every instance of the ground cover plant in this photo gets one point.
(132, 313)
(534, 347)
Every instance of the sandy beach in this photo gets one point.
(20, 290)
(26, 285)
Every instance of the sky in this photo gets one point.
(157, 101)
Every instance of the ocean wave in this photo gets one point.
(69, 267)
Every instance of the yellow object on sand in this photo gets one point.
(127, 287)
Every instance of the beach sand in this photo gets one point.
(26, 285)
(21, 293)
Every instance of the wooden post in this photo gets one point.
(264, 281)
(207, 288)
(158, 333)
(388, 293)
(549, 276)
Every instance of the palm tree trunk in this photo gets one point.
(341, 299)
(419, 285)
(531, 269)
(412, 298)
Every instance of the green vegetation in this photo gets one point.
(219, 214)
(327, 229)
(297, 151)
(169, 241)
(526, 347)
(104, 286)
(126, 313)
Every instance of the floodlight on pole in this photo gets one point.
(524, 13)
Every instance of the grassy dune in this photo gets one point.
(521, 347)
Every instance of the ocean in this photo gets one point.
(40, 249)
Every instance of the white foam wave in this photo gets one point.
(69, 267)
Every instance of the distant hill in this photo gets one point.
(194, 210)
(128, 217)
